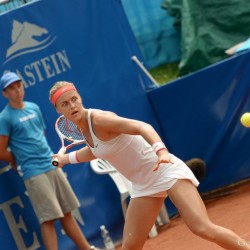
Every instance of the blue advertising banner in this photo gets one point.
(89, 43)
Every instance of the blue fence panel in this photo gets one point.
(200, 117)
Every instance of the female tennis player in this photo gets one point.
(135, 149)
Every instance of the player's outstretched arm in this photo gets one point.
(82, 155)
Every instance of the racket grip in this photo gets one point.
(55, 161)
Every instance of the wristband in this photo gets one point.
(160, 150)
(73, 157)
(157, 146)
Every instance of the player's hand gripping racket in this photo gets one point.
(67, 131)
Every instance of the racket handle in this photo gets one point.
(62, 151)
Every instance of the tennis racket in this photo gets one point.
(67, 131)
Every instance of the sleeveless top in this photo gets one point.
(135, 159)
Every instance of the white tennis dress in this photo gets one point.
(134, 158)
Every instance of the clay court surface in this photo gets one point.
(228, 207)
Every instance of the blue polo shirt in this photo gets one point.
(25, 129)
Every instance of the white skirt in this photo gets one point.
(167, 176)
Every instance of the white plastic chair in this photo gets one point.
(124, 186)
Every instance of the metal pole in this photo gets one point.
(135, 59)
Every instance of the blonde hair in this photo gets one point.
(57, 86)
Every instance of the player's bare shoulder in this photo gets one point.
(99, 116)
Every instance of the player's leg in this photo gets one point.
(72, 229)
(187, 200)
(140, 218)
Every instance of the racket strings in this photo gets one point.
(69, 130)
